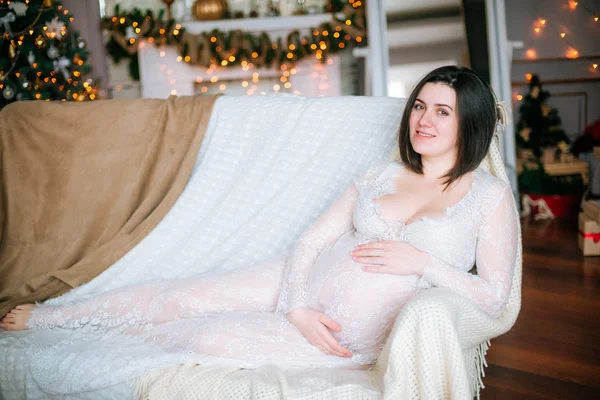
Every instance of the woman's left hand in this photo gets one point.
(391, 257)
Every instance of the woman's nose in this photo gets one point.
(425, 119)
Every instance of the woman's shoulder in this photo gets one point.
(492, 190)
(375, 172)
(491, 182)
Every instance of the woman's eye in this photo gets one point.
(442, 112)
(419, 107)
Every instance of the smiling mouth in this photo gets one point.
(423, 134)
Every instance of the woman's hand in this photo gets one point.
(391, 257)
(315, 326)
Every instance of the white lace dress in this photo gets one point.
(238, 319)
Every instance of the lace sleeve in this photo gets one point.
(336, 221)
(495, 259)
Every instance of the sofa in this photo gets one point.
(288, 158)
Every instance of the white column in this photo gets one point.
(500, 51)
(378, 60)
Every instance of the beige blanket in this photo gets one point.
(83, 183)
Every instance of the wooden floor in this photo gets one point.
(553, 351)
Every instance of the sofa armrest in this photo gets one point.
(432, 348)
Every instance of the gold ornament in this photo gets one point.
(209, 9)
(40, 42)
(12, 51)
(47, 3)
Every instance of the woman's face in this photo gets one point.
(433, 121)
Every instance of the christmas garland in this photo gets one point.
(234, 48)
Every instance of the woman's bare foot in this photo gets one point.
(16, 319)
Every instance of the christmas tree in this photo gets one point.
(539, 131)
(539, 125)
(41, 58)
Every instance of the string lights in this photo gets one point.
(218, 49)
(585, 8)
(251, 86)
(541, 25)
(531, 54)
(571, 51)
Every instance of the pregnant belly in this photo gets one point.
(364, 304)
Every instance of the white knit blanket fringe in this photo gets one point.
(480, 364)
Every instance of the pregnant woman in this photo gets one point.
(399, 228)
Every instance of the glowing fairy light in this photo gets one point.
(573, 5)
(572, 53)
(531, 53)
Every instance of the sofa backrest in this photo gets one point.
(268, 166)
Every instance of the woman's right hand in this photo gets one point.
(315, 326)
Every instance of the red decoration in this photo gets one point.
(559, 205)
(594, 236)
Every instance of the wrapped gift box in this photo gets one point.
(589, 235)
(543, 206)
(591, 208)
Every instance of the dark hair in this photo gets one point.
(477, 116)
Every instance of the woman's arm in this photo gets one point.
(336, 221)
(314, 325)
(495, 259)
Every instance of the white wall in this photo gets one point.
(406, 6)
(403, 78)
(573, 84)
(420, 46)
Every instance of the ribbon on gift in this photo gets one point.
(594, 236)
(7, 20)
(544, 212)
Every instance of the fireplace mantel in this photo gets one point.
(161, 74)
(269, 24)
